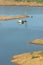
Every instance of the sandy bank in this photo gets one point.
(37, 41)
(32, 58)
(12, 3)
(12, 17)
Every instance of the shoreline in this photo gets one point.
(13, 17)
(12, 3)
(37, 41)
(31, 58)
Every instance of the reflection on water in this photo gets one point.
(15, 38)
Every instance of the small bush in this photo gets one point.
(29, 0)
(34, 57)
(39, 0)
(20, 0)
(41, 53)
(31, 53)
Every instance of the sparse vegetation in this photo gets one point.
(41, 53)
(21, 3)
(34, 57)
(39, 0)
(31, 53)
(24, 0)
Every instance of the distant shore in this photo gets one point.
(12, 17)
(37, 41)
(12, 3)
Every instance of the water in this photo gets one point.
(15, 38)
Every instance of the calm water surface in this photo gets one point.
(15, 38)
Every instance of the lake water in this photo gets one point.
(15, 38)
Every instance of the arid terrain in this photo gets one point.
(13, 3)
(32, 58)
(37, 41)
(12, 17)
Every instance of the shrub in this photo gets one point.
(34, 57)
(41, 53)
